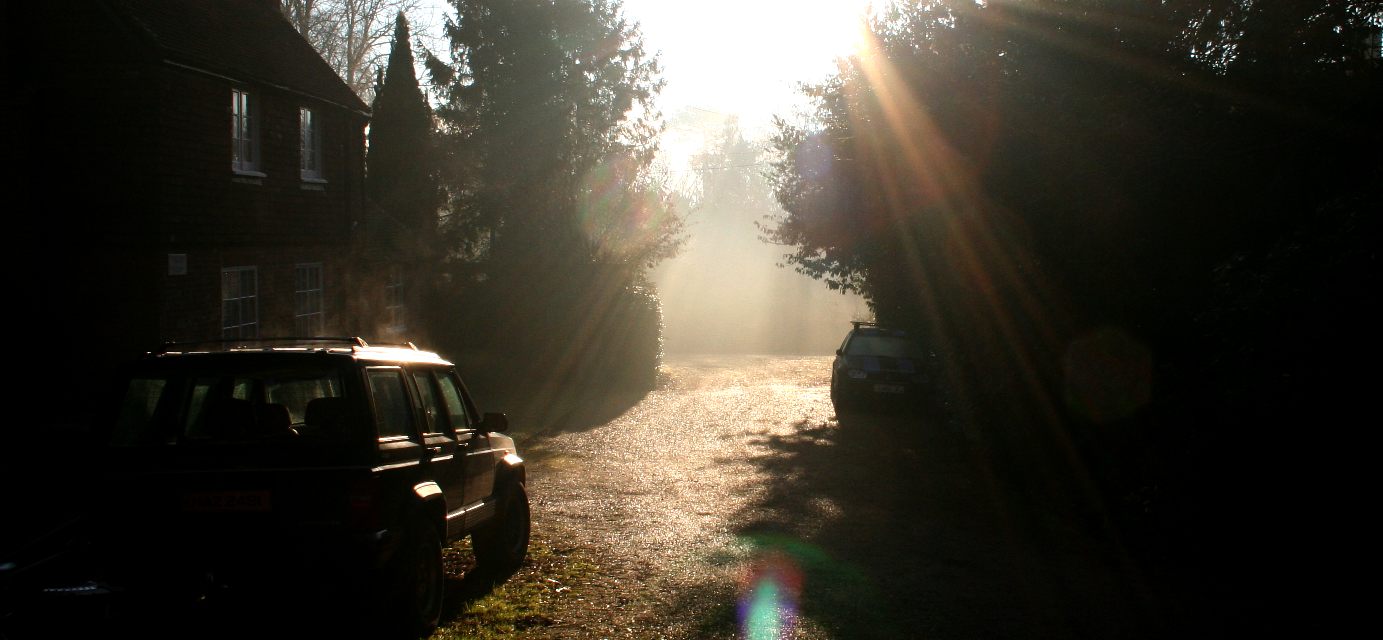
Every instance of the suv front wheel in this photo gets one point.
(501, 546)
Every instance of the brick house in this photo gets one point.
(188, 169)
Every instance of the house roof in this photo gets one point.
(248, 41)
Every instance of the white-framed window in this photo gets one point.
(308, 318)
(310, 147)
(244, 132)
(393, 297)
(239, 302)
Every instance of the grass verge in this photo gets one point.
(522, 604)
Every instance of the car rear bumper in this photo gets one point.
(871, 394)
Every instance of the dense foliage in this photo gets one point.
(1140, 226)
(549, 132)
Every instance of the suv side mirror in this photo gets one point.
(495, 422)
(840, 352)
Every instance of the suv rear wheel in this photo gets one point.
(502, 545)
(416, 582)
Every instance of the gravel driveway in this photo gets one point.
(732, 502)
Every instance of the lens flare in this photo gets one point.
(769, 591)
(617, 213)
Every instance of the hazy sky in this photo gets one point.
(745, 57)
(742, 58)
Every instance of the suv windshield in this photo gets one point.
(881, 345)
(207, 406)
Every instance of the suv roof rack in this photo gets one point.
(234, 343)
(863, 323)
(406, 345)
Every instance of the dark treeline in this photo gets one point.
(544, 135)
(1144, 233)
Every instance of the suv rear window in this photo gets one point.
(219, 407)
(883, 345)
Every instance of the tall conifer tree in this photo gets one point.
(541, 98)
(401, 170)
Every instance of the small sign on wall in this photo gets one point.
(177, 264)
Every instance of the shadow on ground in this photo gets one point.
(542, 402)
(538, 414)
(885, 526)
(464, 590)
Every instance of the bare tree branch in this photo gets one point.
(351, 35)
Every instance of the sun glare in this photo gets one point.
(746, 58)
(814, 32)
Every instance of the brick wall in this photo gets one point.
(192, 302)
(204, 203)
(219, 219)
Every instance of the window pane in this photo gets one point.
(224, 407)
(888, 346)
(137, 422)
(193, 424)
(391, 403)
(307, 301)
(305, 138)
(308, 326)
(244, 151)
(230, 285)
(451, 396)
(297, 390)
(239, 303)
(432, 405)
(310, 143)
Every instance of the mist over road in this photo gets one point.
(732, 495)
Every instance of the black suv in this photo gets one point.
(326, 471)
(877, 367)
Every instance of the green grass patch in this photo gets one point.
(480, 607)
